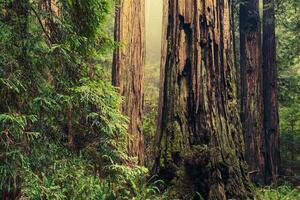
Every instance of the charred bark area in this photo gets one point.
(128, 68)
(271, 118)
(200, 145)
(252, 88)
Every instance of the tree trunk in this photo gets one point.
(271, 118)
(164, 43)
(128, 68)
(251, 88)
(200, 139)
(53, 9)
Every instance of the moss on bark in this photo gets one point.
(200, 143)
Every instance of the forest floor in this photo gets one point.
(288, 187)
(284, 192)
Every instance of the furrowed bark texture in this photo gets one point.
(251, 88)
(271, 118)
(200, 138)
(128, 68)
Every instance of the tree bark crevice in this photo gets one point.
(270, 75)
(200, 139)
(128, 69)
(252, 88)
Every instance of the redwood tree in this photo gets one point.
(271, 118)
(164, 42)
(251, 88)
(128, 67)
(200, 145)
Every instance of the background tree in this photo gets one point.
(252, 88)
(153, 19)
(200, 139)
(164, 51)
(128, 68)
(270, 76)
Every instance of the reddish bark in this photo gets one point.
(200, 145)
(251, 88)
(128, 68)
(271, 117)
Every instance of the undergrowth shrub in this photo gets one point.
(61, 175)
(284, 192)
(62, 135)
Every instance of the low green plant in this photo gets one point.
(284, 192)
(54, 86)
(65, 178)
(61, 175)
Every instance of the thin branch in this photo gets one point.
(41, 23)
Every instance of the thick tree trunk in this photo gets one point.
(251, 88)
(200, 138)
(271, 118)
(128, 68)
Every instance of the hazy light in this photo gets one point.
(153, 30)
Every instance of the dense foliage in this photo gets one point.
(288, 52)
(62, 135)
(285, 192)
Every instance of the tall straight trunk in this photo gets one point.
(271, 118)
(200, 145)
(251, 88)
(164, 42)
(128, 68)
